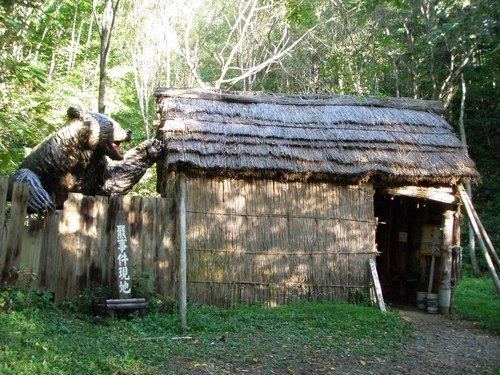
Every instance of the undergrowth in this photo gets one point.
(40, 336)
(476, 300)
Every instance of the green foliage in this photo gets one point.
(49, 53)
(360, 297)
(476, 300)
(43, 338)
(83, 303)
(17, 299)
(302, 12)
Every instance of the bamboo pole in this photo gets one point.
(483, 232)
(482, 245)
(181, 240)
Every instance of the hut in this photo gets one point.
(289, 196)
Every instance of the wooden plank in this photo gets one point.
(376, 284)
(148, 238)
(301, 100)
(31, 251)
(70, 247)
(134, 218)
(441, 194)
(15, 230)
(85, 270)
(114, 207)
(49, 257)
(165, 251)
(104, 256)
(181, 240)
(168, 244)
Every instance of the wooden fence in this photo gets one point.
(247, 241)
(71, 249)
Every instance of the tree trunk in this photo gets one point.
(107, 22)
(472, 239)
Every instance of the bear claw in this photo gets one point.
(155, 149)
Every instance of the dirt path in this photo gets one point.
(440, 346)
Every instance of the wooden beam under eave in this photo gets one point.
(441, 194)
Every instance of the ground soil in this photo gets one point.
(440, 345)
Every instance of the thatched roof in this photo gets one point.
(318, 137)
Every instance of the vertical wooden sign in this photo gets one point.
(122, 256)
(376, 284)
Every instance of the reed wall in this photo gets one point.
(267, 241)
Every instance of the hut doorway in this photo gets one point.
(402, 267)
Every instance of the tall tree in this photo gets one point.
(106, 23)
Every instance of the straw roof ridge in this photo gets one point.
(271, 137)
(298, 99)
(303, 114)
(344, 125)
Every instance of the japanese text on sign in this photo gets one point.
(123, 261)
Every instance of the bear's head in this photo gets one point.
(100, 132)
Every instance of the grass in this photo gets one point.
(476, 300)
(38, 336)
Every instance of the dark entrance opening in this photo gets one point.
(405, 224)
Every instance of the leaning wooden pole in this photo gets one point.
(483, 232)
(181, 241)
(376, 284)
(480, 240)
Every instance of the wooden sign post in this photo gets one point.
(122, 257)
(122, 261)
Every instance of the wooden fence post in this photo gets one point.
(181, 241)
(445, 279)
(20, 193)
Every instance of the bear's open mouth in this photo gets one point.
(116, 147)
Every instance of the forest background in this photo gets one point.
(51, 56)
